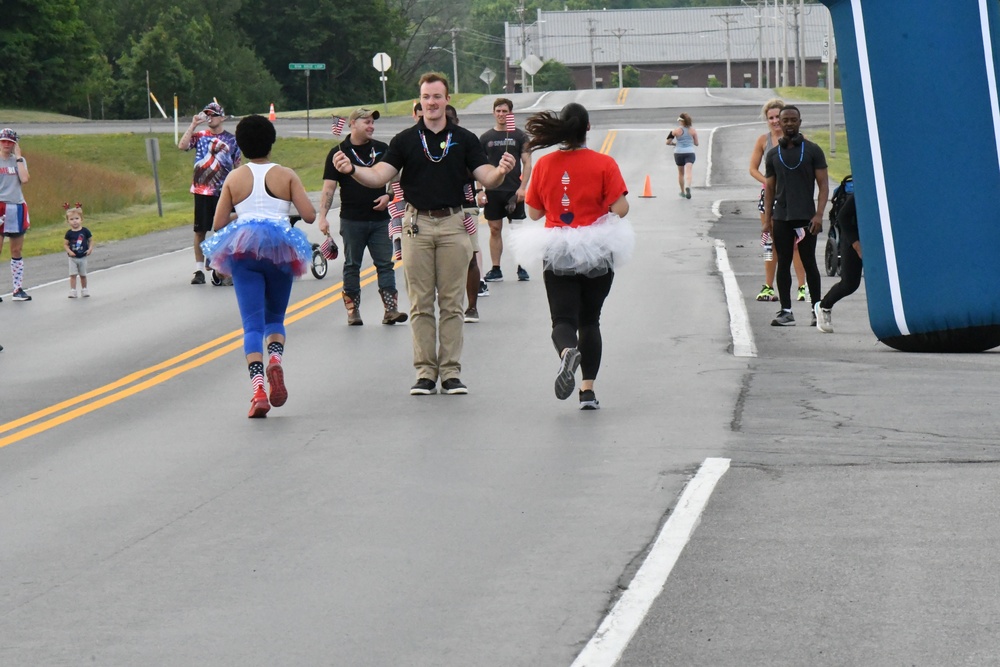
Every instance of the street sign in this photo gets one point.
(532, 64)
(306, 66)
(382, 62)
(487, 76)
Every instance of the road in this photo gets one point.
(147, 521)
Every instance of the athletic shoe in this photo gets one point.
(588, 401)
(687, 192)
(84, 292)
(423, 387)
(471, 315)
(20, 295)
(522, 275)
(258, 405)
(566, 378)
(199, 278)
(824, 318)
(802, 293)
(784, 318)
(276, 382)
(72, 294)
(494, 275)
(453, 386)
(484, 289)
(767, 294)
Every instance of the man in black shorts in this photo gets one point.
(216, 154)
(507, 201)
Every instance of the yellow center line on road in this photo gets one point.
(609, 139)
(161, 372)
(622, 94)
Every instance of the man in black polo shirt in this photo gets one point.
(364, 218)
(435, 157)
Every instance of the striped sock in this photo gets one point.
(17, 272)
(274, 352)
(257, 375)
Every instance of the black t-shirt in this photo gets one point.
(435, 171)
(496, 143)
(794, 170)
(356, 200)
(79, 241)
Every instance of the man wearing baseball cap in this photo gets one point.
(216, 154)
(364, 219)
(14, 220)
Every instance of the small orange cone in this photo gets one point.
(271, 116)
(647, 190)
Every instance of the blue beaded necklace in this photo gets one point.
(447, 145)
(802, 154)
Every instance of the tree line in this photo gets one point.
(90, 58)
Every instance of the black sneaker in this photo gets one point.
(494, 275)
(471, 316)
(199, 278)
(522, 275)
(20, 295)
(453, 386)
(484, 289)
(566, 378)
(588, 401)
(423, 387)
(784, 318)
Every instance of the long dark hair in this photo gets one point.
(569, 127)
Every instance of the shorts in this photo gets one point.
(204, 212)
(681, 159)
(14, 220)
(496, 206)
(474, 213)
(78, 266)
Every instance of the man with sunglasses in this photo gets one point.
(216, 154)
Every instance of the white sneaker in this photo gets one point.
(84, 292)
(72, 294)
(824, 318)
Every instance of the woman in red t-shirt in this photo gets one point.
(581, 195)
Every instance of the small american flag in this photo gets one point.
(510, 123)
(397, 191)
(396, 210)
(338, 125)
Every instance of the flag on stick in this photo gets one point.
(338, 125)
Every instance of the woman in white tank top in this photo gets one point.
(262, 252)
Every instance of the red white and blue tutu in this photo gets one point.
(591, 250)
(271, 239)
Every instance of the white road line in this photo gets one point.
(616, 631)
(739, 322)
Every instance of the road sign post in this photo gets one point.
(382, 62)
(308, 68)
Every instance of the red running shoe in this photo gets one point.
(259, 405)
(276, 380)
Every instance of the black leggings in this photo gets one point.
(850, 278)
(575, 304)
(784, 244)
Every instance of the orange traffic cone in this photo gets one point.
(270, 114)
(647, 190)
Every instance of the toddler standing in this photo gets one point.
(78, 246)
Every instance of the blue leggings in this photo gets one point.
(262, 292)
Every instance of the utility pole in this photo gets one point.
(728, 19)
(524, 39)
(593, 67)
(619, 33)
(760, 47)
(454, 59)
(784, 32)
(802, 42)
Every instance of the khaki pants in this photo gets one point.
(436, 258)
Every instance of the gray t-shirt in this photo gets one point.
(496, 143)
(794, 170)
(10, 182)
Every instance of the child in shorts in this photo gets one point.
(78, 245)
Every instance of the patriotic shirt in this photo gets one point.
(215, 155)
(79, 241)
(574, 188)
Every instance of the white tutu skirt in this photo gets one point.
(592, 250)
(259, 238)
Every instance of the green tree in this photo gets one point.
(554, 75)
(630, 75)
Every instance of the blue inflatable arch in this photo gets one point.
(919, 81)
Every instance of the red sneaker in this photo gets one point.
(276, 380)
(258, 405)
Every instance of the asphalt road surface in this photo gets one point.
(148, 522)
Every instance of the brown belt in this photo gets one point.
(440, 212)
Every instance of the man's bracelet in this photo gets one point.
(354, 168)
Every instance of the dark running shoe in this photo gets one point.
(199, 278)
(784, 318)
(453, 386)
(423, 387)
(20, 295)
(588, 401)
(566, 378)
(484, 289)
(522, 275)
(494, 275)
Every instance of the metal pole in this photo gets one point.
(784, 32)
(802, 43)
(307, 104)
(149, 104)
(454, 58)
(830, 59)
(593, 66)
(760, 48)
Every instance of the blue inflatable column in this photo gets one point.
(919, 80)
